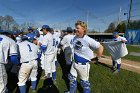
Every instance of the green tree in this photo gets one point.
(94, 31)
(8, 21)
(110, 28)
(121, 28)
(1, 21)
(134, 24)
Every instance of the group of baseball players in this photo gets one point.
(28, 50)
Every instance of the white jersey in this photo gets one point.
(56, 40)
(83, 47)
(40, 39)
(7, 48)
(18, 39)
(119, 38)
(67, 41)
(28, 51)
(48, 41)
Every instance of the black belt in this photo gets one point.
(81, 63)
(26, 62)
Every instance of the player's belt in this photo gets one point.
(81, 63)
(26, 62)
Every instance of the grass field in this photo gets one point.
(102, 81)
(129, 57)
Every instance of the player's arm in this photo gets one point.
(123, 40)
(100, 51)
(43, 45)
(96, 45)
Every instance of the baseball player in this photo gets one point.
(48, 50)
(66, 42)
(40, 39)
(30, 33)
(28, 59)
(83, 46)
(8, 51)
(118, 61)
(56, 41)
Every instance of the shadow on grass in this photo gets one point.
(62, 63)
(46, 89)
(103, 64)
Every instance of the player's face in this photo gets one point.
(44, 31)
(79, 31)
(116, 36)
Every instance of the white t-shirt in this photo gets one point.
(119, 38)
(83, 46)
(7, 48)
(67, 41)
(28, 51)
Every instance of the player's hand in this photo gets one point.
(39, 43)
(95, 59)
(123, 41)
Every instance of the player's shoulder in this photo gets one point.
(48, 35)
(87, 38)
(7, 39)
(121, 38)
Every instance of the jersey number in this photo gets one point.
(71, 42)
(30, 50)
(53, 42)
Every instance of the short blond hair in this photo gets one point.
(83, 24)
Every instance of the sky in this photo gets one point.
(60, 14)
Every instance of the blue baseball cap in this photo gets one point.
(69, 29)
(30, 28)
(36, 32)
(32, 38)
(115, 33)
(8, 32)
(24, 37)
(45, 27)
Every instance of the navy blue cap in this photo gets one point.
(45, 27)
(24, 37)
(30, 28)
(36, 32)
(115, 33)
(69, 29)
(8, 32)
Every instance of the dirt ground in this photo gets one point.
(126, 64)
